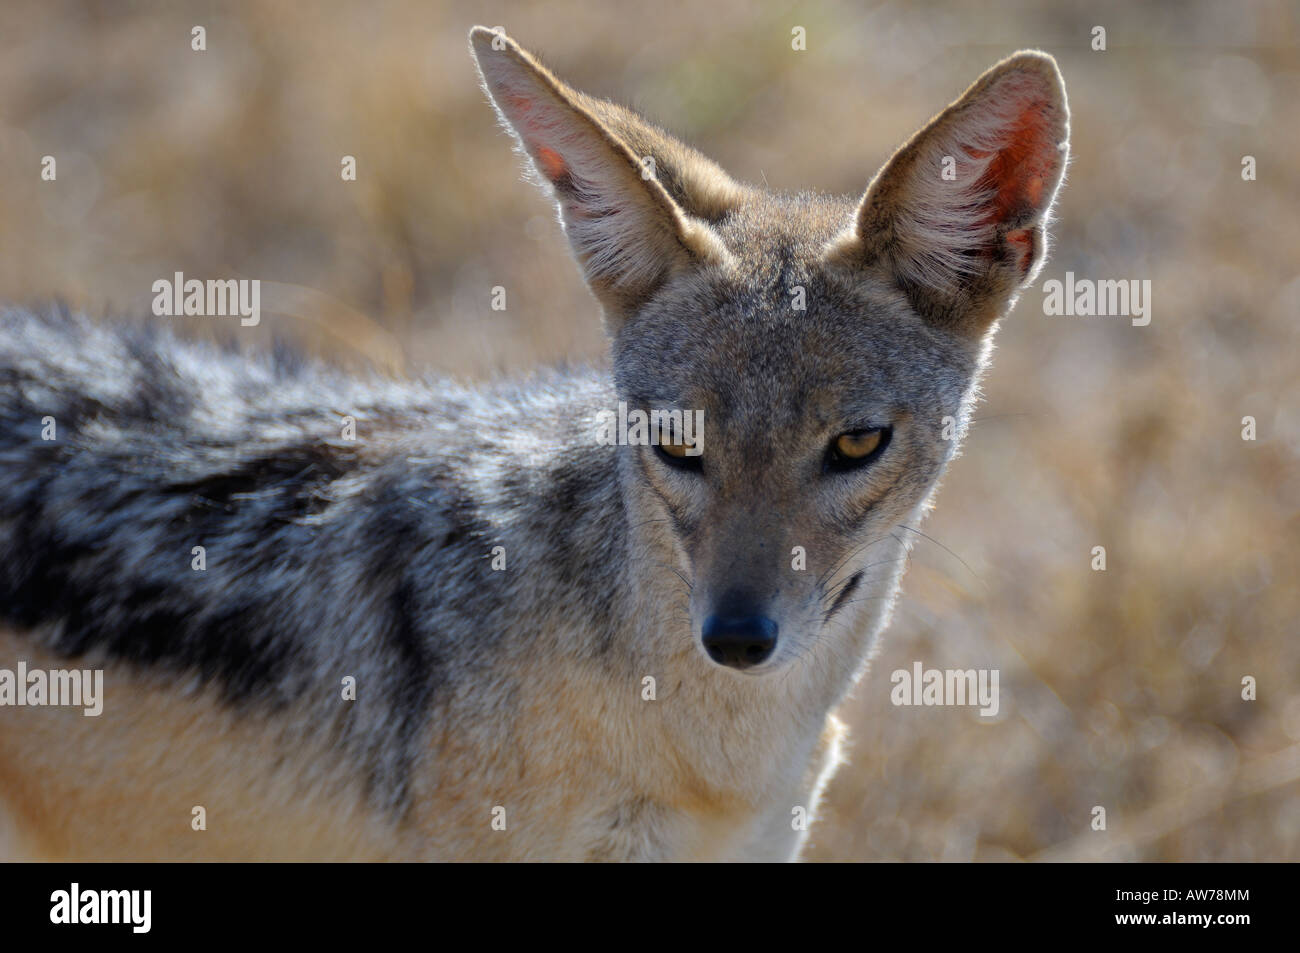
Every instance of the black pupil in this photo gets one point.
(839, 460)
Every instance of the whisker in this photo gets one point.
(834, 591)
(944, 548)
(840, 565)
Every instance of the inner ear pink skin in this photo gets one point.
(1019, 169)
(1021, 241)
(552, 165)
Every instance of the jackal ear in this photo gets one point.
(626, 230)
(958, 215)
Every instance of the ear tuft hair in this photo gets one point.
(957, 215)
(626, 230)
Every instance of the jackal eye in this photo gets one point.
(675, 455)
(672, 450)
(857, 448)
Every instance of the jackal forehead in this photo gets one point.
(846, 355)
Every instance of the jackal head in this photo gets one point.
(834, 345)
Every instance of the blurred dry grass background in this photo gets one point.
(1119, 689)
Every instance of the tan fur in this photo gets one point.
(121, 786)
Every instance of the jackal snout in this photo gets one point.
(739, 634)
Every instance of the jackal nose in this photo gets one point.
(739, 641)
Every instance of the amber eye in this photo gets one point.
(677, 450)
(672, 450)
(857, 448)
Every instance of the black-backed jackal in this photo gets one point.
(574, 617)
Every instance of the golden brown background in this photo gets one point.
(1119, 688)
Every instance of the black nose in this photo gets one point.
(739, 641)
